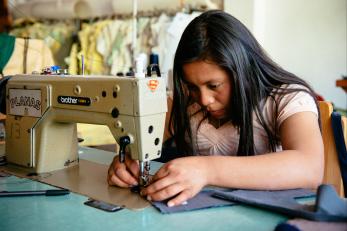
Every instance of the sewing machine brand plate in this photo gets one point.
(24, 102)
(81, 101)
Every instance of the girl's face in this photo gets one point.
(210, 86)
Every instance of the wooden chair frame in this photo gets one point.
(332, 173)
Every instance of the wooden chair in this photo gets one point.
(332, 173)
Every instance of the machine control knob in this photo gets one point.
(115, 112)
(118, 124)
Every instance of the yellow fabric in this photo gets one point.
(72, 61)
(94, 134)
(56, 35)
(38, 56)
(93, 60)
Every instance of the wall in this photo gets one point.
(308, 38)
(63, 9)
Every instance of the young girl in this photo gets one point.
(240, 119)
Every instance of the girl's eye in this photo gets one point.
(214, 86)
(192, 88)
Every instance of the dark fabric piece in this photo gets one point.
(336, 124)
(329, 203)
(286, 227)
(328, 207)
(207, 199)
(202, 200)
(7, 46)
(3, 83)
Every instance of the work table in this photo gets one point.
(69, 213)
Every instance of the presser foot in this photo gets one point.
(142, 183)
(144, 176)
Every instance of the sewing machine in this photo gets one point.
(42, 112)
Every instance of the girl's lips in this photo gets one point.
(217, 113)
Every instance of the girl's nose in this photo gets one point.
(206, 98)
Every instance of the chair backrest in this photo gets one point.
(332, 173)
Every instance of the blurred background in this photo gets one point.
(308, 38)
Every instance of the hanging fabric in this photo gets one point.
(7, 46)
(28, 57)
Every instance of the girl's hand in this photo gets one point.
(180, 179)
(123, 174)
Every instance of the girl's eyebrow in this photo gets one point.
(210, 82)
(186, 81)
(204, 83)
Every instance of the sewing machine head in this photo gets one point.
(42, 112)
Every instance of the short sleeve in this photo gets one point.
(293, 103)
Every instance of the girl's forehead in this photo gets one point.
(203, 71)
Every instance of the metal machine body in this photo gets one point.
(42, 112)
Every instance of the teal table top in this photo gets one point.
(69, 213)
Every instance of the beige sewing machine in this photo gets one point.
(42, 112)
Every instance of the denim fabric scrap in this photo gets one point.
(328, 206)
(202, 200)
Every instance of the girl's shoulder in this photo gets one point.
(288, 100)
(289, 94)
(285, 89)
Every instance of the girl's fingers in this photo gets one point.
(162, 172)
(114, 180)
(180, 199)
(119, 175)
(125, 176)
(133, 167)
(166, 192)
(158, 185)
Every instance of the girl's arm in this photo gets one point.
(299, 165)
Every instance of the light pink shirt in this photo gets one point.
(224, 140)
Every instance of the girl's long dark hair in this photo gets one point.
(219, 37)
